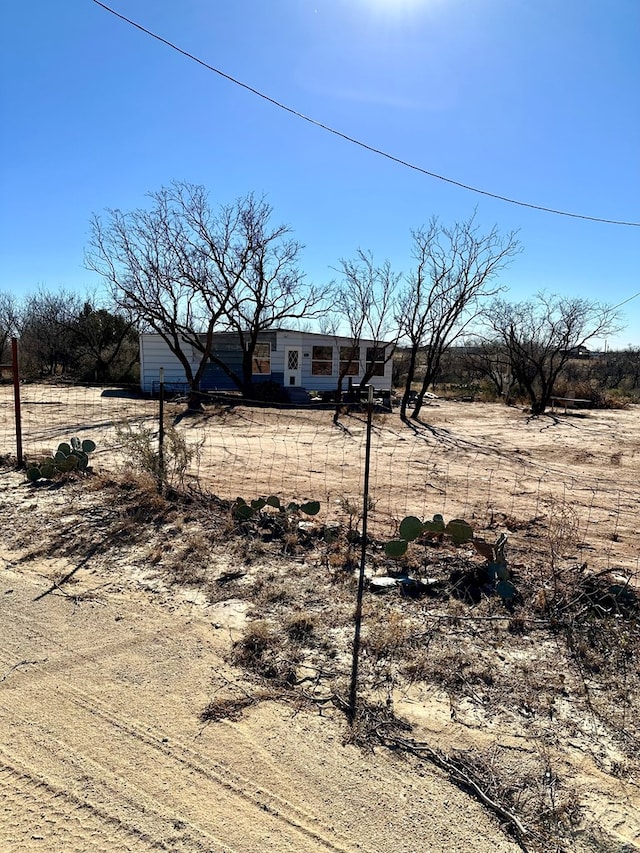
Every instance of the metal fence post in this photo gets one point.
(353, 692)
(161, 433)
(16, 398)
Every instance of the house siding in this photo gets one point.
(155, 354)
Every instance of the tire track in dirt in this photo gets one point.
(58, 820)
(170, 755)
(89, 784)
(111, 732)
(164, 766)
(74, 657)
(105, 743)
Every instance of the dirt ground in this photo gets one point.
(469, 460)
(104, 675)
(102, 748)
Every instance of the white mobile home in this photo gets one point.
(285, 357)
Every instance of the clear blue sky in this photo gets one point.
(539, 101)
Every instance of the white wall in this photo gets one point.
(154, 354)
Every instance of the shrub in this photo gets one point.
(139, 446)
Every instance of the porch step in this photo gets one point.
(297, 395)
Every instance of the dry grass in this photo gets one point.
(559, 665)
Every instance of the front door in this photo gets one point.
(292, 366)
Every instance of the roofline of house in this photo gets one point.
(323, 335)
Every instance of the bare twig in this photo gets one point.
(21, 663)
(423, 750)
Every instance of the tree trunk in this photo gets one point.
(431, 371)
(194, 400)
(411, 372)
(247, 373)
(420, 397)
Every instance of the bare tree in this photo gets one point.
(490, 359)
(65, 332)
(186, 270)
(363, 305)
(9, 324)
(456, 268)
(257, 265)
(543, 334)
(46, 343)
(158, 269)
(615, 369)
(105, 344)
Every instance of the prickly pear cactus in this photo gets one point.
(499, 572)
(70, 456)
(244, 511)
(411, 528)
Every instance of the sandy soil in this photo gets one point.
(101, 747)
(464, 459)
(102, 682)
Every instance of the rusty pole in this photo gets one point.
(16, 398)
(353, 691)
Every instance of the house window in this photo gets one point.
(376, 358)
(262, 359)
(322, 361)
(349, 361)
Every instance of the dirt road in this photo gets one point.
(101, 746)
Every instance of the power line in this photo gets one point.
(624, 301)
(358, 142)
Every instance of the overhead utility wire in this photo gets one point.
(358, 142)
(628, 299)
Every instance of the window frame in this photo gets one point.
(256, 360)
(317, 360)
(347, 365)
(376, 365)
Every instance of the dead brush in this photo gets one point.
(342, 561)
(185, 568)
(249, 549)
(563, 533)
(386, 637)
(229, 708)
(527, 786)
(557, 570)
(597, 616)
(301, 627)
(264, 651)
(138, 445)
(271, 590)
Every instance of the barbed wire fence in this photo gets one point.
(299, 453)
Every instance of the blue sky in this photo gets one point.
(539, 101)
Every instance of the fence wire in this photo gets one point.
(586, 487)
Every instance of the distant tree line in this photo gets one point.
(185, 269)
(606, 379)
(68, 335)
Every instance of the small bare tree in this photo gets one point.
(9, 323)
(363, 306)
(543, 334)
(456, 269)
